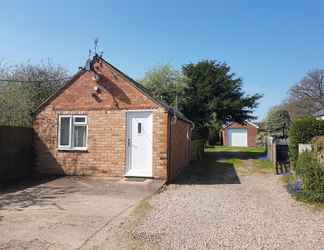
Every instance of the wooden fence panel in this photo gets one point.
(277, 153)
(197, 149)
(15, 153)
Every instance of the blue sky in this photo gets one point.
(270, 44)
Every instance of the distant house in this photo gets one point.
(319, 114)
(240, 135)
(104, 123)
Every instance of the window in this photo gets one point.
(72, 132)
(139, 128)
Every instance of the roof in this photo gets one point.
(248, 122)
(135, 84)
(145, 91)
(319, 113)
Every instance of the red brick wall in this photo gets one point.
(251, 133)
(180, 147)
(105, 154)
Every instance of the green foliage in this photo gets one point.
(214, 126)
(302, 130)
(213, 91)
(318, 148)
(207, 93)
(263, 165)
(311, 173)
(15, 106)
(200, 133)
(246, 151)
(19, 99)
(165, 83)
(261, 139)
(276, 119)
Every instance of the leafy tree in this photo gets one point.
(213, 92)
(277, 118)
(214, 128)
(165, 83)
(20, 98)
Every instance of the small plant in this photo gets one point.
(311, 173)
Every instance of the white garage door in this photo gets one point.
(237, 137)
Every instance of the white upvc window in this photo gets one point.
(73, 132)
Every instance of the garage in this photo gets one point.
(239, 134)
(237, 137)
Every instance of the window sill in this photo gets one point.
(73, 150)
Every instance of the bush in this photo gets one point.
(261, 139)
(302, 130)
(318, 148)
(311, 173)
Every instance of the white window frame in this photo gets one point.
(71, 132)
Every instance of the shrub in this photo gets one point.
(318, 148)
(311, 173)
(302, 130)
(261, 139)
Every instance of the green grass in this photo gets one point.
(263, 165)
(234, 161)
(237, 155)
(286, 179)
(259, 150)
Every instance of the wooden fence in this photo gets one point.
(197, 149)
(277, 153)
(15, 153)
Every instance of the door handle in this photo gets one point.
(129, 142)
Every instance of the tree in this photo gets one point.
(307, 96)
(213, 92)
(214, 128)
(277, 119)
(27, 87)
(165, 83)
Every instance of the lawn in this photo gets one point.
(259, 150)
(246, 160)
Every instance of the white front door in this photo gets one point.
(139, 144)
(237, 137)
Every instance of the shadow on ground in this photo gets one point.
(213, 170)
(34, 192)
(209, 171)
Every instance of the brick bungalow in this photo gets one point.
(104, 123)
(240, 135)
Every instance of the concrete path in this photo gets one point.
(67, 213)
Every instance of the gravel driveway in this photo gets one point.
(230, 211)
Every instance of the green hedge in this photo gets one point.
(311, 173)
(302, 130)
